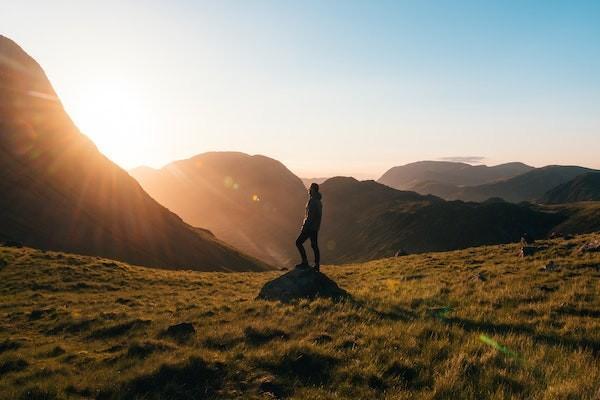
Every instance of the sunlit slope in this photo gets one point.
(473, 324)
(57, 191)
(253, 202)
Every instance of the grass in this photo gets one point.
(479, 323)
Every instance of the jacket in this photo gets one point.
(314, 211)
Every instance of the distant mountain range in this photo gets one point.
(362, 220)
(513, 182)
(253, 202)
(409, 176)
(367, 220)
(57, 191)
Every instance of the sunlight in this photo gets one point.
(112, 113)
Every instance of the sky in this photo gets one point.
(326, 87)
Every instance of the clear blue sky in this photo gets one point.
(327, 87)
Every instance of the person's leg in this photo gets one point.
(300, 245)
(314, 243)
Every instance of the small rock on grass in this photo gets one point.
(181, 331)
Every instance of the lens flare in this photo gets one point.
(491, 342)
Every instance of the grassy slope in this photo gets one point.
(84, 327)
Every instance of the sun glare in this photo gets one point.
(114, 116)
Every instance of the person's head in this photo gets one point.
(314, 188)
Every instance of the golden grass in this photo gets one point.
(475, 324)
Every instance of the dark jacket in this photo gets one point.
(314, 210)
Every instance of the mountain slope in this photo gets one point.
(584, 187)
(367, 220)
(59, 192)
(529, 186)
(411, 176)
(253, 202)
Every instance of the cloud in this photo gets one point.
(464, 159)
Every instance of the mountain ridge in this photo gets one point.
(59, 192)
(251, 201)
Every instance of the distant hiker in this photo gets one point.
(526, 240)
(310, 227)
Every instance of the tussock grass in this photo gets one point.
(479, 323)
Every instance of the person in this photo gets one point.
(310, 227)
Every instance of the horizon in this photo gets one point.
(310, 85)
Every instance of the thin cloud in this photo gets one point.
(464, 159)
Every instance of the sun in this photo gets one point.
(113, 115)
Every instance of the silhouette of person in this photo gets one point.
(310, 227)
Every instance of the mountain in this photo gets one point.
(308, 181)
(529, 186)
(584, 187)
(413, 176)
(252, 202)
(59, 192)
(367, 220)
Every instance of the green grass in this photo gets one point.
(479, 323)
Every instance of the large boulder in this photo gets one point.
(301, 283)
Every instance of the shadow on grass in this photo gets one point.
(551, 339)
(579, 312)
(119, 329)
(302, 364)
(8, 345)
(262, 335)
(12, 365)
(192, 379)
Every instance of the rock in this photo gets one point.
(551, 266)
(301, 283)
(557, 235)
(590, 247)
(527, 251)
(480, 277)
(269, 386)
(182, 331)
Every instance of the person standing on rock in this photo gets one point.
(310, 227)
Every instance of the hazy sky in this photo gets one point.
(327, 87)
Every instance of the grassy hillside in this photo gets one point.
(474, 324)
